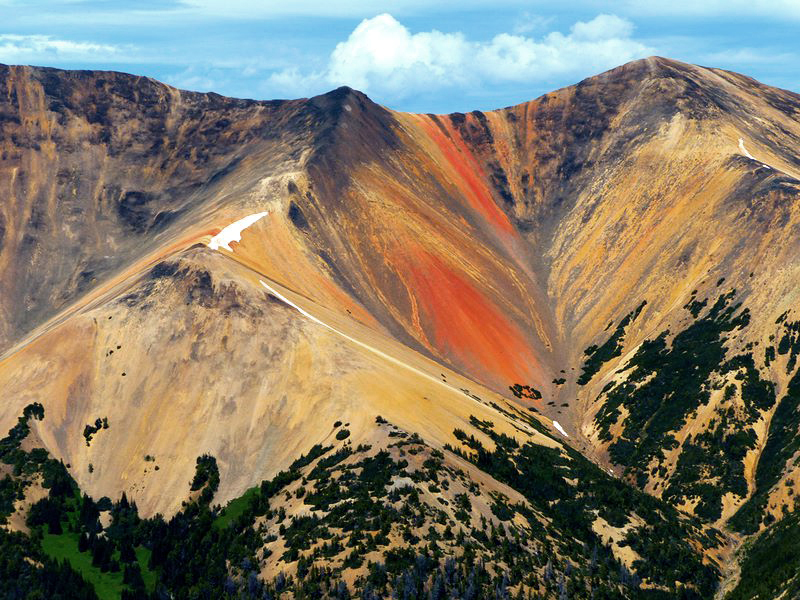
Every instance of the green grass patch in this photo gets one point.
(149, 577)
(108, 586)
(235, 509)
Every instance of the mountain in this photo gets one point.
(325, 348)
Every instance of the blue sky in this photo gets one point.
(411, 55)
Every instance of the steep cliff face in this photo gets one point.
(622, 253)
(99, 169)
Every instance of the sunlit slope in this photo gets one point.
(633, 185)
(103, 168)
(196, 356)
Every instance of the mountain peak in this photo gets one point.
(342, 99)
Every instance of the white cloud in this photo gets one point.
(381, 56)
(45, 49)
(291, 83)
(602, 27)
(383, 52)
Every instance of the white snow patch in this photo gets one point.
(302, 311)
(744, 151)
(233, 232)
(560, 429)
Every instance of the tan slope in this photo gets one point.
(196, 357)
(104, 168)
(632, 185)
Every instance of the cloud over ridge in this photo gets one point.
(384, 57)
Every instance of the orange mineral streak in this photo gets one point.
(466, 325)
(469, 175)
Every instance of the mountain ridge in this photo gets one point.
(560, 257)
